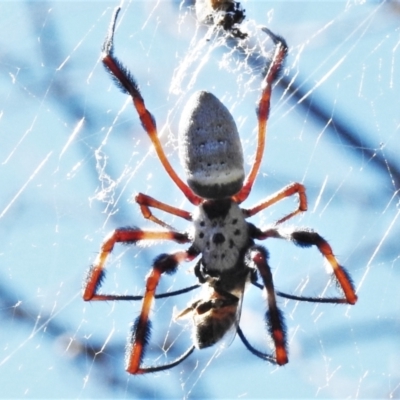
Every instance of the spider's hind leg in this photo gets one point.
(258, 256)
(263, 356)
(163, 264)
(306, 238)
(96, 273)
(141, 330)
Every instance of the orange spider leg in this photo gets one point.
(165, 263)
(129, 86)
(123, 235)
(263, 111)
(145, 202)
(307, 238)
(287, 191)
(274, 317)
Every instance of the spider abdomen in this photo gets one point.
(220, 234)
(210, 148)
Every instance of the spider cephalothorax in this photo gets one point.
(220, 238)
(220, 234)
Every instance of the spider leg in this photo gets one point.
(145, 202)
(307, 238)
(172, 364)
(127, 83)
(331, 300)
(164, 263)
(127, 297)
(263, 356)
(278, 58)
(96, 272)
(287, 191)
(274, 318)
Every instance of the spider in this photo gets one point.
(220, 237)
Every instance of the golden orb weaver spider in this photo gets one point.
(212, 156)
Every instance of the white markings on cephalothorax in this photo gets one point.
(220, 238)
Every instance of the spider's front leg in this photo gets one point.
(263, 109)
(127, 83)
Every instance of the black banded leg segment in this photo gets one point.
(96, 272)
(127, 83)
(308, 238)
(274, 317)
(263, 109)
(141, 330)
(163, 264)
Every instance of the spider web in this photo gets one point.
(73, 154)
